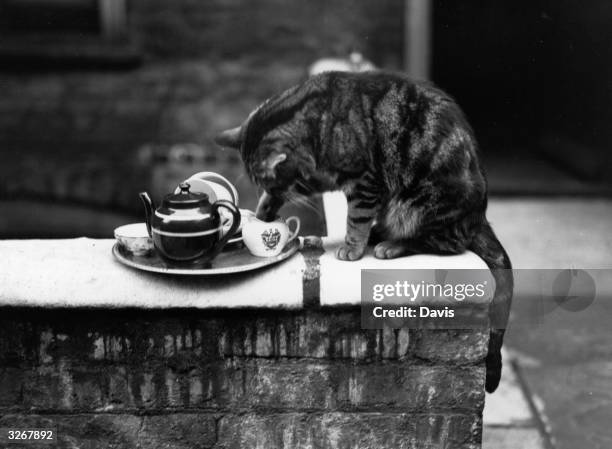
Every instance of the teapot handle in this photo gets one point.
(149, 210)
(235, 223)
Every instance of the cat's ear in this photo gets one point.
(230, 138)
(272, 161)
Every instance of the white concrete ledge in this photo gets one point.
(340, 281)
(83, 273)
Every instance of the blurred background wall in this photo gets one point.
(102, 98)
(86, 122)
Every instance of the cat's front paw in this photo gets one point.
(350, 252)
(389, 250)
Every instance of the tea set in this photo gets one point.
(199, 229)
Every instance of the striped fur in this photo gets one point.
(403, 153)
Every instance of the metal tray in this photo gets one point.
(231, 261)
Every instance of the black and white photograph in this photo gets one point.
(266, 224)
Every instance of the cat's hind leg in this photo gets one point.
(410, 232)
(391, 249)
(446, 242)
(397, 225)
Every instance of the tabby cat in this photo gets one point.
(406, 158)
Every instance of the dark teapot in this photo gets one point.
(187, 228)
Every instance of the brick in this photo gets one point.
(194, 431)
(253, 384)
(119, 431)
(415, 387)
(11, 384)
(187, 340)
(83, 431)
(47, 388)
(76, 388)
(247, 378)
(349, 430)
(345, 386)
(17, 343)
(111, 388)
(450, 345)
(335, 335)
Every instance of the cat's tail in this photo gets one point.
(488, 248)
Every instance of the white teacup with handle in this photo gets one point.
(268, 238)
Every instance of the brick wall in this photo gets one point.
(239, 379)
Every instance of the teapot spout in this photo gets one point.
(149, 208)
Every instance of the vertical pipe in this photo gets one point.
(113, 19)
(417, 38)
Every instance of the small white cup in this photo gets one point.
(135, 239)
(267, 239)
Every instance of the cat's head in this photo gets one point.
(276, 144)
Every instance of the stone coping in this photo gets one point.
(82, 272)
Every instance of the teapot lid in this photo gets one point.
(185, 199)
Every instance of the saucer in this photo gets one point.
(201, 186)
(135, 239)
(218, 180)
